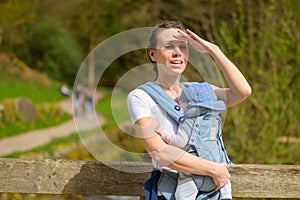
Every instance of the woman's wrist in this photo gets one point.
(215, 50)
(210, 168)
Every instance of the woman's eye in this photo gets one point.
(169, 46)
(182, 46)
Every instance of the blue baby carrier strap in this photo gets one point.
(166, 102)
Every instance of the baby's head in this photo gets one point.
(200, 94)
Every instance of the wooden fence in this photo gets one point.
(95, 178)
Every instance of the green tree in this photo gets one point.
(38, 40)
(265, 46)
(53, 51)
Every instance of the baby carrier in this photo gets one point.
(202, 122)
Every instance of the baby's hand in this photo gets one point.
(159, 129)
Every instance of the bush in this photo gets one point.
(52, 50)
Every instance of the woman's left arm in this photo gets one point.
(239, 89)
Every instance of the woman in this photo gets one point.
(168, 50)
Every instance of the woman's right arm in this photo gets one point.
(176, 158)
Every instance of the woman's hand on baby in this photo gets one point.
(222, 175)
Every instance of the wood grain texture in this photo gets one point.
(127, 178)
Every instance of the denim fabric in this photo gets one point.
(150, 186)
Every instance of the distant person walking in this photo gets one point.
(78, 100)
(88, 104)
(65, 90)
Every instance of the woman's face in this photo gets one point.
(170, 54)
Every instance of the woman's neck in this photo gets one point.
(172, 87)
(172, 83)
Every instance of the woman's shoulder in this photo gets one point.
(140, 96)
(137, 92)
(139, 104)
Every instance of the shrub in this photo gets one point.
(52, 50)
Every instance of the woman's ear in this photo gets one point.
(151, 54)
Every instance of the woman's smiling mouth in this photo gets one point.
(176, 62)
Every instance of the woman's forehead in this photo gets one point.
(167, 36)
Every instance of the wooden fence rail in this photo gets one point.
(95, 178)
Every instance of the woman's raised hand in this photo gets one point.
(195, 41)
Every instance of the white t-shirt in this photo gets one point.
(141, 105)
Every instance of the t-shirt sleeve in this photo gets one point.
(138, 102)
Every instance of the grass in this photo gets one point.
(12, 86)
(113, 107)
(37, 93)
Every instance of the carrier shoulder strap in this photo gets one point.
(166, 102)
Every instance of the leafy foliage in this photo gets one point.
(261, 37)
(53, 50)
(271, 111)
(39, 41)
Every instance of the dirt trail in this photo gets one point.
(35, 138)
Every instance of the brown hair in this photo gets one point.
(160, 27)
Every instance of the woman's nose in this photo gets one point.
(177, 51)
